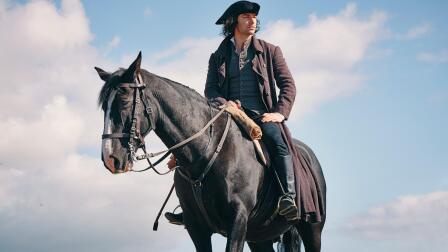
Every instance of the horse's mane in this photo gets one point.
(114, 81)
(181, 88)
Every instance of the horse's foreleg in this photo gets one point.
(200, 234)
(201, 239)
(265, 246)
(237, 232)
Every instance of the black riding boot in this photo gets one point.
(286, 204)
(173, 218)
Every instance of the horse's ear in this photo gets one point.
(103, 74)
(134, 68)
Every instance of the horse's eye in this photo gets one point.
(124, 100)
(123, 93)
(123, 90)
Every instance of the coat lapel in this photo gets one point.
(258, 65)
(222, 55)
(258, 61)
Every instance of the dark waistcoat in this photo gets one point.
(243, 82)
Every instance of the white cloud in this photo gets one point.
(185, 62)
(336, 42)
(410, 218)
(415, 32)
(39, 25)
(323, 54)
(55, 132)
(46, 54)
(434, 57)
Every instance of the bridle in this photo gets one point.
(135, 137)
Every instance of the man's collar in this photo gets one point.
(245, 46)
(223, 47)
(257, 45)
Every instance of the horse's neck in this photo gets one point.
(179, 116)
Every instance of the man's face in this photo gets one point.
(247, 24)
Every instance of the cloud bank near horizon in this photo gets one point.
(419, 222)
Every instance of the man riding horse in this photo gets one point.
(244, 72)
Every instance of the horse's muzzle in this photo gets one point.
(115, 165)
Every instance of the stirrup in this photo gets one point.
(287, 208)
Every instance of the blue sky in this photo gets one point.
(372, 103)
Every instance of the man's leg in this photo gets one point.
(272, 136)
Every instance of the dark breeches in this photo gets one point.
(272, 135)
(273, 139)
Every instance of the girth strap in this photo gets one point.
(197, 185)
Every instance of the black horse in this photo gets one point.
(239, 194)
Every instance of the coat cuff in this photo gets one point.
(282, 111)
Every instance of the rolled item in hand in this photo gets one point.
(251, 128)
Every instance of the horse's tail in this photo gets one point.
(290, 242)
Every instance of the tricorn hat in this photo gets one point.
(238, 8)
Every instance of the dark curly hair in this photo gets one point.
(228, 28)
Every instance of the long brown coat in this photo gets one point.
(271, 70)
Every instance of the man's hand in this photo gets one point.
(272, 117)
(172, 162)
(233, 104)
